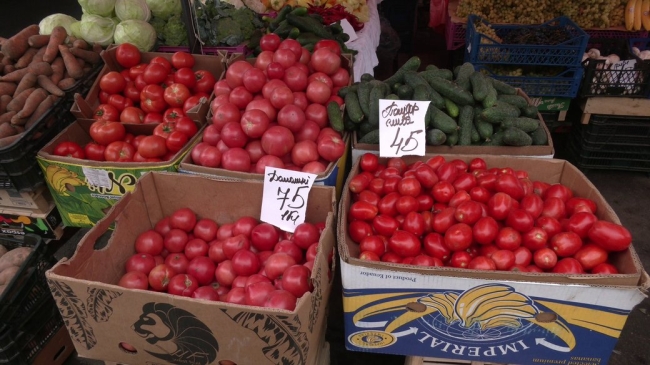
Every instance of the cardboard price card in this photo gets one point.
(402, 128)
(284, 199)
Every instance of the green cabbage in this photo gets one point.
(97, 7)
(96, 29)
(165, 8)
(49, 22)
(137, 32)
(132, 10)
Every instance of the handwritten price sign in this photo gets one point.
(284, 200)
(402, 127)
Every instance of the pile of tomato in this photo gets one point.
(464, 215)
(245, 262)
(273, 112)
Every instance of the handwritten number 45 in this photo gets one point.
(283, 195)
(403, 147)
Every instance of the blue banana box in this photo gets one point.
(495, 317)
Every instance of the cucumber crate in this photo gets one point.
(558, 42)
(561, 82)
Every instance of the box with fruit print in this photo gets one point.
(84, 184)
(460, 290)
(114, 320)
(19, 222)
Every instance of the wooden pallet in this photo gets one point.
(57, 350)
(632, 107)
(416, 360)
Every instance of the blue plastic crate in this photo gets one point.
(486, 50)
(565, 84)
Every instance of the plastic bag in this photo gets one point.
(438, 12)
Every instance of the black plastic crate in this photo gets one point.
(23, 346)
(616, 130)
(608, 157)
(18, 167)
(27, 292)
(602, 79)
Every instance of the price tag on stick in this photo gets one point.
(284, 199)
(402, 129)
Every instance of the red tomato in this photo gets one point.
(443, 191)
(245, 263)
(325, 60)
(253, 80)
(132, 115)
(119, 151)
(127, 55)
(604, 269)
(196, 247)
(182, 60)
(226, 113)
(520, 220)
(176, 141)
(318, 114)
(327, 43)
(140, 262)
(285, 57)
(331, 147)
(610, 236)
(358, 230)
(535, 239)
(280, 299)
(205, 81)
(532, 204)
(582, 204)
(580, 223)
(545, 258)
(482, 263)
(134, 280)
(404, 243)
(113, 82)
(295, 78)
(106, 112)
(277, 264)
(236, 159)
(499, 206)
(551, 225)
(69, 149)
(443, 220)
(275, 71)
(341, 77)
(296, 280)
(374, 244)
(503, 259)
(434, 246)
(233, 135)
(203, 269)
(510, 185)
(105, 132)
(414, 223)
(194, 100)
(485, 230)
(458, 237)
(363, 211)
(468, 212)
(240, 97)
(523, 256)
(178, 262)
(558, 191)
(152, 146)
(565, 243)
(460, 259)
(270, 42)
(568, 265)
(160, 276)
(508, 239)
(590, 256)
(152, 99)
(554, 208)
(176, 94)
(264, 237)
(183, 285)
(235, 73)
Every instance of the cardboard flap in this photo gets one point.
(644, 283)
(83, 106)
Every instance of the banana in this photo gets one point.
(58, 178)
(407, 317)
(500, 322)
(522, 310)
(637, 14)
(484, 311)
(629, 14)
(645, 14)
(443, 303)
(470, 300)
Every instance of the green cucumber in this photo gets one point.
(479, 86)
(421, 93)
(441, 73)
(515, 100)
(516, 137)
(497, 114)
(367, 77)
(353, 108)
(495, 140)
(475, 136)
(294, 33)
(431, 68)
(465, 119)
(491, 97)
(452, 91)
(530, 111)
(462, 78)
(485, 129)
(405, 92)
(371, 137)
(283, 29)
(391, 97)
(413, 64)
(373, 107)
(363, 92)
(435, 137)
(502, 87)
(282, 14)
(335, 116)
(349, 125)
(344, 91)
(299, 11)
(527, 125)
(452, 139)
(452, 108)
(366, 127)
(306, 38)
(539, 136)
(440, 120)
(311, 25)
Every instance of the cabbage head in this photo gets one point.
(165, 8)
(137, 32)
(132, 10)
(97, 7)
(96, 29)
(49, 22)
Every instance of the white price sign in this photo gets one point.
(284, 200)
(402, 129)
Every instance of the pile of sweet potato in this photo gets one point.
(10, 262)
(35, 70)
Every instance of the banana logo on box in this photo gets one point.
(481, 315)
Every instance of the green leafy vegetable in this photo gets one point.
(174, 32)
(137, 32)
(220, 24)
(163, 9)
(49, 22)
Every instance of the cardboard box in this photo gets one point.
(18, 222)
(39, 199)
(166, 329)
(85, 190)
(453, 313)
(333, 176)
(83, 107)
(547, 151)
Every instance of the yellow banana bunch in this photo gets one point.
(645, 14)
(487, 303)
(500, 322)
(59, 178)
(443, 303)
(637, 15)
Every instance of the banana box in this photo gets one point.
(85, 190)
(19, 222)
(490, 316)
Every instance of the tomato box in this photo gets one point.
(19, 222)
(112, 323)
(83, 107)
(85, 190)
(490, 316)
(334, 175)
(547, 151)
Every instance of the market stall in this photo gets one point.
(266, 199)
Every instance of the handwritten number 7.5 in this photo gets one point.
(411, 137)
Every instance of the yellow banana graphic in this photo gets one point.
(610, 324)
(59, 177)
(512, 300)
(443, 303)
(500, 322)
(637, 14)
(524, 311)
(629, 14)
(392, 306)
(469, 301)
(557, 328)
(645, 14)
(407, 317)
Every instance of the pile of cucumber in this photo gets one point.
(467, 108)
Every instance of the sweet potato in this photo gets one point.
(8, 141)
(58, 69)
(49, 86)
(7, 88)
(14, 257)
(4, 101)
(88, 56)
(66, 83)
(28, 81)
(57, 38)
(40, 68)
(19, 100)
(13, 75)
(16, 46)
(32, 102)
(39, 40)
(40, 111)
(80, 44)
(7, 274)
(6, 119)
(71, 63)
(3, 250)
(27, 58)
(6, 61)
(38, 57)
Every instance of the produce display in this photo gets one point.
(587, 14)
(221, 24)
(470, 215)
(274, 112)
(10, 262)
(36, 70)
(167, 21)
(467, 107)
(245, 262)
(157, 92)
(605, 76)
